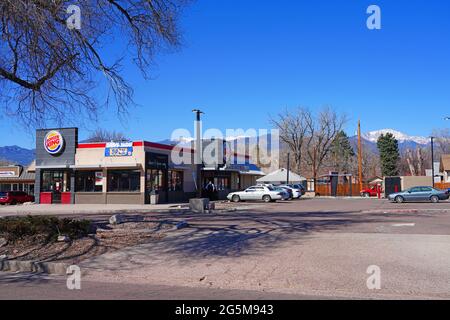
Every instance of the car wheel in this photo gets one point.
(267, 199)
(236, 198)
(434, 199)
(399, 199)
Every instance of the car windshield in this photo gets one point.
(3, 194)
(270, 188)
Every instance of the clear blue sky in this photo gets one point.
(244, 60)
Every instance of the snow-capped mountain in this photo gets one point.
(400, 136)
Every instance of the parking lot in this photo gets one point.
(312, 247)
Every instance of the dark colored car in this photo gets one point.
(417, 194)
(15, 197)
(299, 187)
(289, 191)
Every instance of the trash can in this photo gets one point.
(154, 197)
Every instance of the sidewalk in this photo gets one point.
(88, 209)
(106, 209)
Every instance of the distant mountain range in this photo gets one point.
(17, 155)
(404, 141)
(400, 136)
(23, 156)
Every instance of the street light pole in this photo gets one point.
(432, 159)
(360, 174)
(288, 168)
(198, 151)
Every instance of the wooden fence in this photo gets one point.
(443, 186)
(343, 190)
(353, 190)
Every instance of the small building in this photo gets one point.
(17, 178)
(438, 174)
(280, 176)
(445, 168)
(134, 172)
(375, 180)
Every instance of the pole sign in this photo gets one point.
(119, 149)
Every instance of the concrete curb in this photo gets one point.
(93, 212)
(406, 211)
(57, 268)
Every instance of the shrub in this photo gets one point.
(15, 228)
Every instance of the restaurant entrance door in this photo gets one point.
(55, 186)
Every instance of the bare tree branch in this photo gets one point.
(49, 72)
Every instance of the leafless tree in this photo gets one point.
(293, 130)
(101, 135)
(309, 136)
(370, 164)
(442, 139)
(49, 72)
(321, 132)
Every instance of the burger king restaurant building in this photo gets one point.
(139, 172)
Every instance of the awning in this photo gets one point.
(252, 173)
(93, 166)
(55, 166)
(121, 165)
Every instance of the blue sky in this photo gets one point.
(242, 61)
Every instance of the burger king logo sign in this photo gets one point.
(53, 142)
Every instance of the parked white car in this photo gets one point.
(258, 193)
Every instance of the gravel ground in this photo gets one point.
(108, 238)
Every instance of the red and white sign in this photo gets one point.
(54, 142)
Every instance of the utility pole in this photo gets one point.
(432, 159)
(288, 167)
(360, 156)
(198, 151)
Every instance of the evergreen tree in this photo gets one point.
(342, 152)
(389, 154)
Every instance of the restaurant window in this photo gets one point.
(89, 181)
(221, 183)
(124, 181)
(156, 180)
(5, 187)
(55, 181)
(175, 180)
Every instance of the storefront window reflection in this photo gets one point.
(124, 181)
(89, 181)
(175, 180)
(155, 180)
(55, 181)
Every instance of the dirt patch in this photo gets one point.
(107, 238)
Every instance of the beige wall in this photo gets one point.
(95, 158)
(409, 182)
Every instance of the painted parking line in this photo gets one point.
(404, 225)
